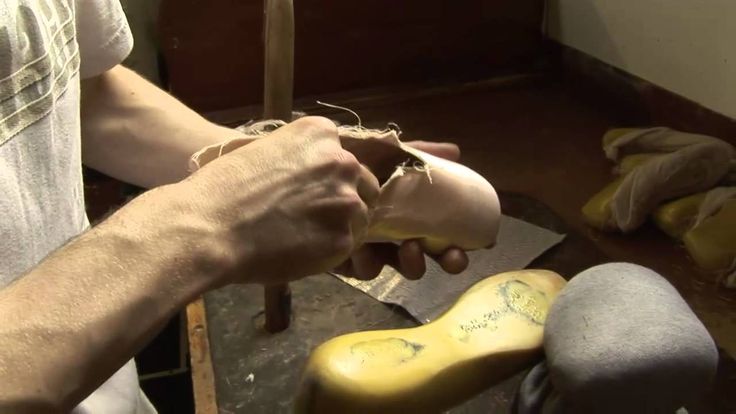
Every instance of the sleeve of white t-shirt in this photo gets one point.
(103, 35)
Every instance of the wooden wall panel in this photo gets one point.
(644, 103)
(213, 48)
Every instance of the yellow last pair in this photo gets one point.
(493, 331)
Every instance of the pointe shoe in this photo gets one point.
(494, 330)
(439, 202)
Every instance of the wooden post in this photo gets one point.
(278, 79)
(277, 104)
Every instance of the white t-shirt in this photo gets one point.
(46, 46)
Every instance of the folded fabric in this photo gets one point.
(536, 394)
(656, 140)
(629, 163)
(659, 164)
(620, 339)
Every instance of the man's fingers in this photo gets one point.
(368, 260)
(407, 259)
(413, 266)
(444, 150)
(368, 187)
(411, 260)
(367, 190)
(366, 263)
(453, 260)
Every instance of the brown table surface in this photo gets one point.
(538, 139)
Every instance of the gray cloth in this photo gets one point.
(537, 395)
(534, 390)
(620, 339)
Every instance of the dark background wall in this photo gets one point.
(214, 48)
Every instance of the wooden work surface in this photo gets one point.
(539, 144)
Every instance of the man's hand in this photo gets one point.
(287, 206)
(367, 260)
(408, 258)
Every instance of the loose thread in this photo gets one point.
(360, 122)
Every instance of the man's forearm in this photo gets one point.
(135, 132)
(77, 317)
(279, 208)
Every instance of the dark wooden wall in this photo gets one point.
(644, 103)
(214, 54)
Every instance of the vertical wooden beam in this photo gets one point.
(279, 60)
(277, 104)
(203, 375)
